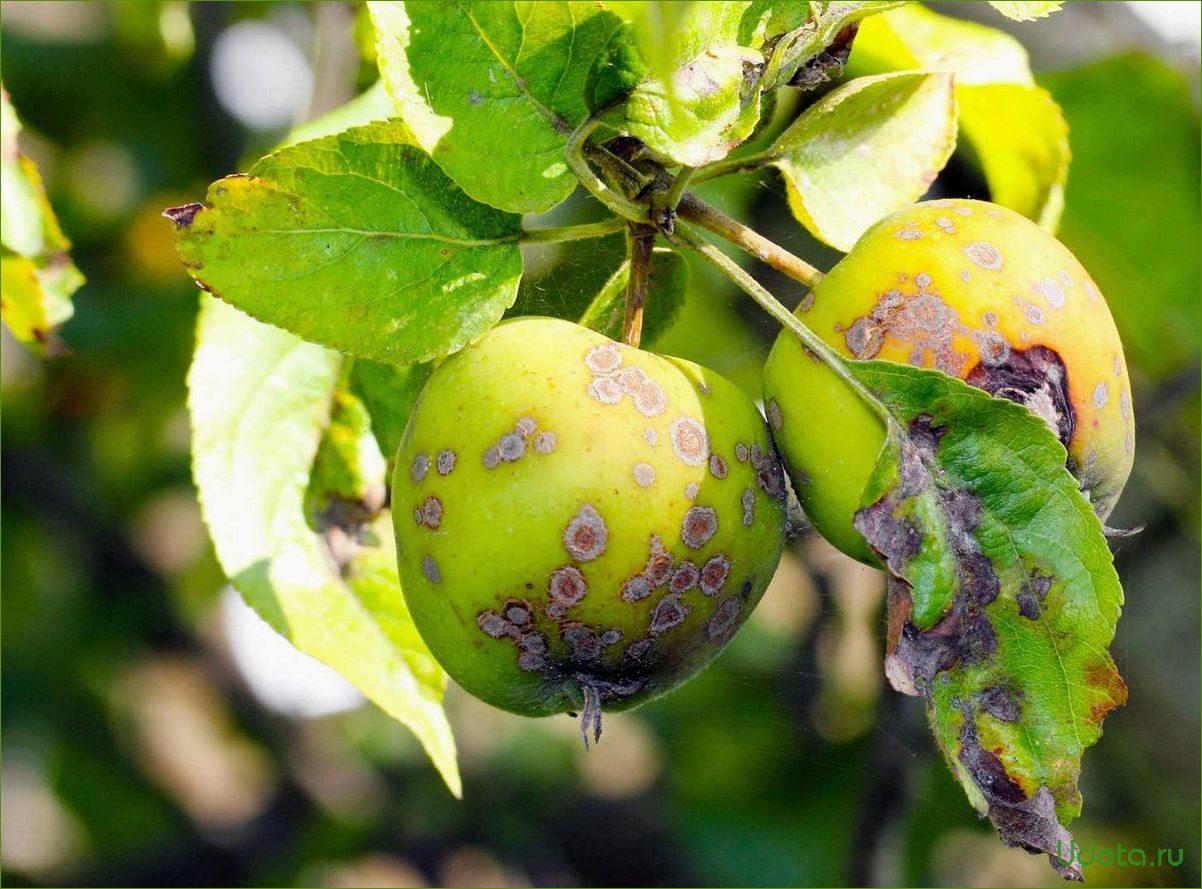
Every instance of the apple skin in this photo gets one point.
(974, 290)
(575, 515)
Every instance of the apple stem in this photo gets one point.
(640, 242)
(590, 714)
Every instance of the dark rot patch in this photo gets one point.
(669, 612)
(916, 657)
(638, 649)
(722, 621)
(699, 525)
(567, 586)
(684, 578)
(586, 535)
(768, 472)
(1035, 378)
(1000, 703)
(714, 574)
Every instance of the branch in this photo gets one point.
(640, 240)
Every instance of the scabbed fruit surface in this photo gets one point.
(574, 516)
(976, 291)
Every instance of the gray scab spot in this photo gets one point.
(421, 465)
(699, 525)
(474, 98)
(583, 641)
(545, 442)
(684, 578)
(567, 585)
(723, 619)
(965, 275)
(525, 427)
(1125, 404)
(644, 475)
(491, 623)
(1049, 288)
(741, 452)
(775, 417)
(1065, 278)
(511, 447)
(1101, 395)
(863, 339)
(638, 649)
(659, 563)
(910, 232)
(962, 211)
(650, 436)
(603, 358)
(636, 588)
(807, 302)
(1118, 366)
(690, 441)
(748, 507)
(492, 457)
(946, 224)
(605, 390)
(983, 254)
(431, 570)
(431, 512)
(718, 466)
(586, 535)
(923, 280)
(691, 490)
(669, 612)
(1034, 313)
(714, 574)
(1091, 290)
(989, 319)
(446, 461)
(611, 637)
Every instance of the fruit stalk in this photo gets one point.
(712, 219)
(640, 242)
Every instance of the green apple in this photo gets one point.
(580, 524)
(974, 290)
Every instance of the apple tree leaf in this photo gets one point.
(292, 488)
(1026, 10)
(493, 90)
(865, 150)
(356, 241)
(1013, 126)
(37, 277)
(1003, 600)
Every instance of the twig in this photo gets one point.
(618, 203)
(710, 218)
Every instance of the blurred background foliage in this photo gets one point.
(156, 733)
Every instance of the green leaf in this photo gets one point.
(1145, 169)
(37, 276)
(356, 241)
(667, 286)
(1004, 596)
(1015, 129)
(492, 90)
(694, 108)
(1026, 10)
(871, 147)
(270, 438)
(765, 19)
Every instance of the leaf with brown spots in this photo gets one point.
(1003, 599)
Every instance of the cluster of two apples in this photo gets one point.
(583, 526)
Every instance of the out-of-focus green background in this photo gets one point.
(154, 733)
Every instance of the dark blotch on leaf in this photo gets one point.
(182, 216)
